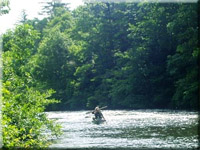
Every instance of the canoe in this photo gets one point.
(98, 121)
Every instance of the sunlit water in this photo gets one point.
(128, 129)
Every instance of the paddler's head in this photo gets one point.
(97, 108)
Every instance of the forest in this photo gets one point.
(120, 55)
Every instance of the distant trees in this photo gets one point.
(4, 7)
(23, 18)
(128, 50)
(123, 55)
(52, 8)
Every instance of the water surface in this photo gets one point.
(128, 129)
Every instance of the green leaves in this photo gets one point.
(182, 65)
(23, 104)
(122, 55)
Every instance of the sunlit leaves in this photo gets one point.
(23, 105)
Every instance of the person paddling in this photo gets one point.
(97, 113)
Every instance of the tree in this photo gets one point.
(124, 55)
(182, 65)
(23, 105)
(4, 7)
(51, 8)
(23, 18)
(51, 63)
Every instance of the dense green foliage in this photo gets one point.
(123, 55)
(23, 104)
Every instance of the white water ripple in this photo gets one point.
(128, 129)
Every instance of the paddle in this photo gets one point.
(103, 117)
(93, 110)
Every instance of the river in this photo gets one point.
(128, 129)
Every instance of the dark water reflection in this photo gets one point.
(128, 129)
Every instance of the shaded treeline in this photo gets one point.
(123, 55)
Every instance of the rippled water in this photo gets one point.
(128, 129)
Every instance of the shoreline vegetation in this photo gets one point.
(120, 55)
